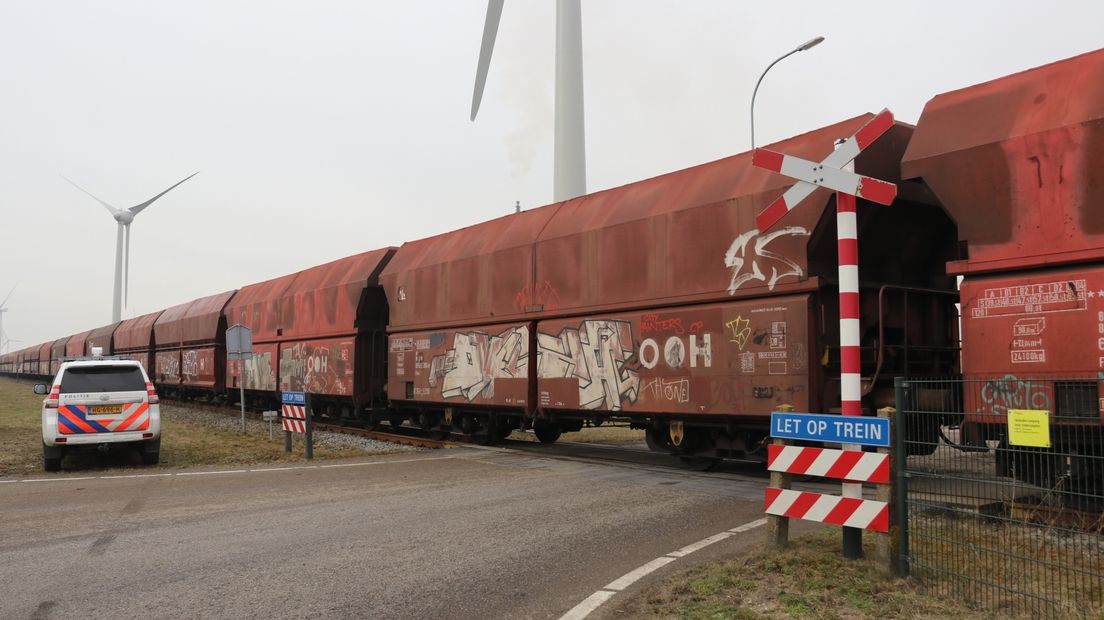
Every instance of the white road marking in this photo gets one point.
(630, 578)
(701, 544)
(594, 601)
(749, 526)
(134, 476)
(211, 473)
(589, 604)
(230, 471)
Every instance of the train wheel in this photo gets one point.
(504, 431)
(396, 421)
(689, 443)
(547, 433)
(657, 439)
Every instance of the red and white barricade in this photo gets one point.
(294, 418)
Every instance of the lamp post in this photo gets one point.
(811, 43)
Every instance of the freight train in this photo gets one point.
(660, 303)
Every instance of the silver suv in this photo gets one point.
(100, 403)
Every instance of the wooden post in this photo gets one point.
(778, 528)
(886, 546)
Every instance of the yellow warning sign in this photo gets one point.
(1029, 427)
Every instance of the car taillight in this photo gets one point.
(152, 393)
(52, 401)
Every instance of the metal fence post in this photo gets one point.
(899, 463)
(309, 437)
(886, 546)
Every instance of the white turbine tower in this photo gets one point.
(4, 309)
(569, 167)
(124, 217)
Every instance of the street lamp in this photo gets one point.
(811, 43)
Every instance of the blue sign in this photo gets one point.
(294, 398)
(830, 428)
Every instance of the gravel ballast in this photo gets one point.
(230, 422)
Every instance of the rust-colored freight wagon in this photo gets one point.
(134, 339)
(57, 351)
(1017, 163)
(662, 303)
(44, 351)
(190, 353)
(25, 361)
(322, 331)
(102, 338)
(257, 306)
(75, 346)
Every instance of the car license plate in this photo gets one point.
(105, 409)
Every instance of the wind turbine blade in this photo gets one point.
(112, 210)
(126, 269)
(136, 209)
(9, 295)
(490, 32)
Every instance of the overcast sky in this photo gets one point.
(325, 129)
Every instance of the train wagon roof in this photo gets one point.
(44, 350)
(318, 302)
(684, 236)
(1016, 161)
(134, 334)
(58, 348)
(101, 337)
(193, 322)
(257, 306)
(76, 343)
(324, 300)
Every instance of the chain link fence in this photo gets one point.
(993, 516)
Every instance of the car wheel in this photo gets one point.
(51, 458)
(151, 452)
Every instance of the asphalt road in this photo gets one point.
(458, 533)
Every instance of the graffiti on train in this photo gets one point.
(319, 368)
(754, 261)
(468, 370)
(1010, 392)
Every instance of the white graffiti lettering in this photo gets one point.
(704, 352)
(737, 257)
(649, 353)
(595, 354)
(469, 369)
(674, 390)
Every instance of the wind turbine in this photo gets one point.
(569, 159)
(124, 217)
(4, 309)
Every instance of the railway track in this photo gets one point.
(400, 438)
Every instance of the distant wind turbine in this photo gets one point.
(4, 309)
(124, 217)
(569, 167)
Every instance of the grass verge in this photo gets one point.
(810, 579)
(183, 444)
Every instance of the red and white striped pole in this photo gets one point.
(847, 240)
(837, 172)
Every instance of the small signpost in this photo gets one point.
(239, 346)
(852, 465)
(834, 173)
(270, 417)
(295, 413)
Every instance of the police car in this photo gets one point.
(102, 403)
